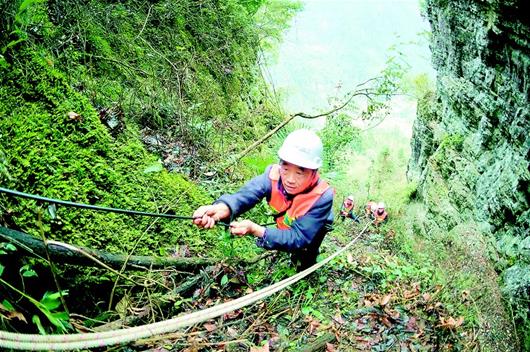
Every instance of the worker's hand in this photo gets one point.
(246, 227)
(207, 215)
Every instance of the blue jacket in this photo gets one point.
(306, 232)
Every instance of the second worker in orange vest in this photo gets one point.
(300, 200)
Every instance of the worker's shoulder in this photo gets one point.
(327, 195)
(269, 167)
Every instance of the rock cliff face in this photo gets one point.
(471, 142)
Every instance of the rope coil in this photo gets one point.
(35, 342)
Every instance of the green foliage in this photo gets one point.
(187, 69)
(446, 157)
(390, 270)
(256, 164)
(273, 19)
(418, 85)
(337, 135)
(47, 150)
(78, 160)
(48, 305)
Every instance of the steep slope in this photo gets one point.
(471, 143)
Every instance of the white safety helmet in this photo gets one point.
(350, 198)
(381, 205)
(302, 148)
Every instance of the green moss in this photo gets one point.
(48, 153)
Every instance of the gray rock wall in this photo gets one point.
(471, 141)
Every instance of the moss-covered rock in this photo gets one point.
(55, 145)
(471, 143)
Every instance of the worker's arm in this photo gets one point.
(232, 205)
(303, 230)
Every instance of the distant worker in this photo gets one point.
(301, 201)
(347, 210)
(380, 215)
(369, 209)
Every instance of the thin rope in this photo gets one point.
(107, 338)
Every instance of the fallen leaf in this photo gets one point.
(313, 325)
(338, 319)
(385, 321)
(210, 327)
(459, 321)
(17, 315)
(349, 258)
(232, 332)
(122, 306)
(386, 299)
(394, 314)
(232, 315)
(330, 347)
(264, 348)
(426, 297)
(411, 325)
(408, 294)
(74, 116)
(450, 323)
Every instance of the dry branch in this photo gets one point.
(366, 92)
(320, 343)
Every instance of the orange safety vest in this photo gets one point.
(380, 218)
(368, 208)
(290, 210)
(346, 209)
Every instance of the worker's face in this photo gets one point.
(295, 179)
(348, 202)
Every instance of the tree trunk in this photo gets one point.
(68, 254)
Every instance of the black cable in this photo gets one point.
(95, 207)
(107, 209)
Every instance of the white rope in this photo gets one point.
(100, 339)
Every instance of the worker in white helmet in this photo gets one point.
(300, 200)
(347, 210)
(380, 214)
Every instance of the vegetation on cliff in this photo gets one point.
(470, 151)
(138, 105)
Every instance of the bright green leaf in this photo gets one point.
(27, 271)
(36, 320)
(52, 210)
(52, 301)
(7, 305)
(8, 246)
(224, 280)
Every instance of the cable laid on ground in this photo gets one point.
(88, 340)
